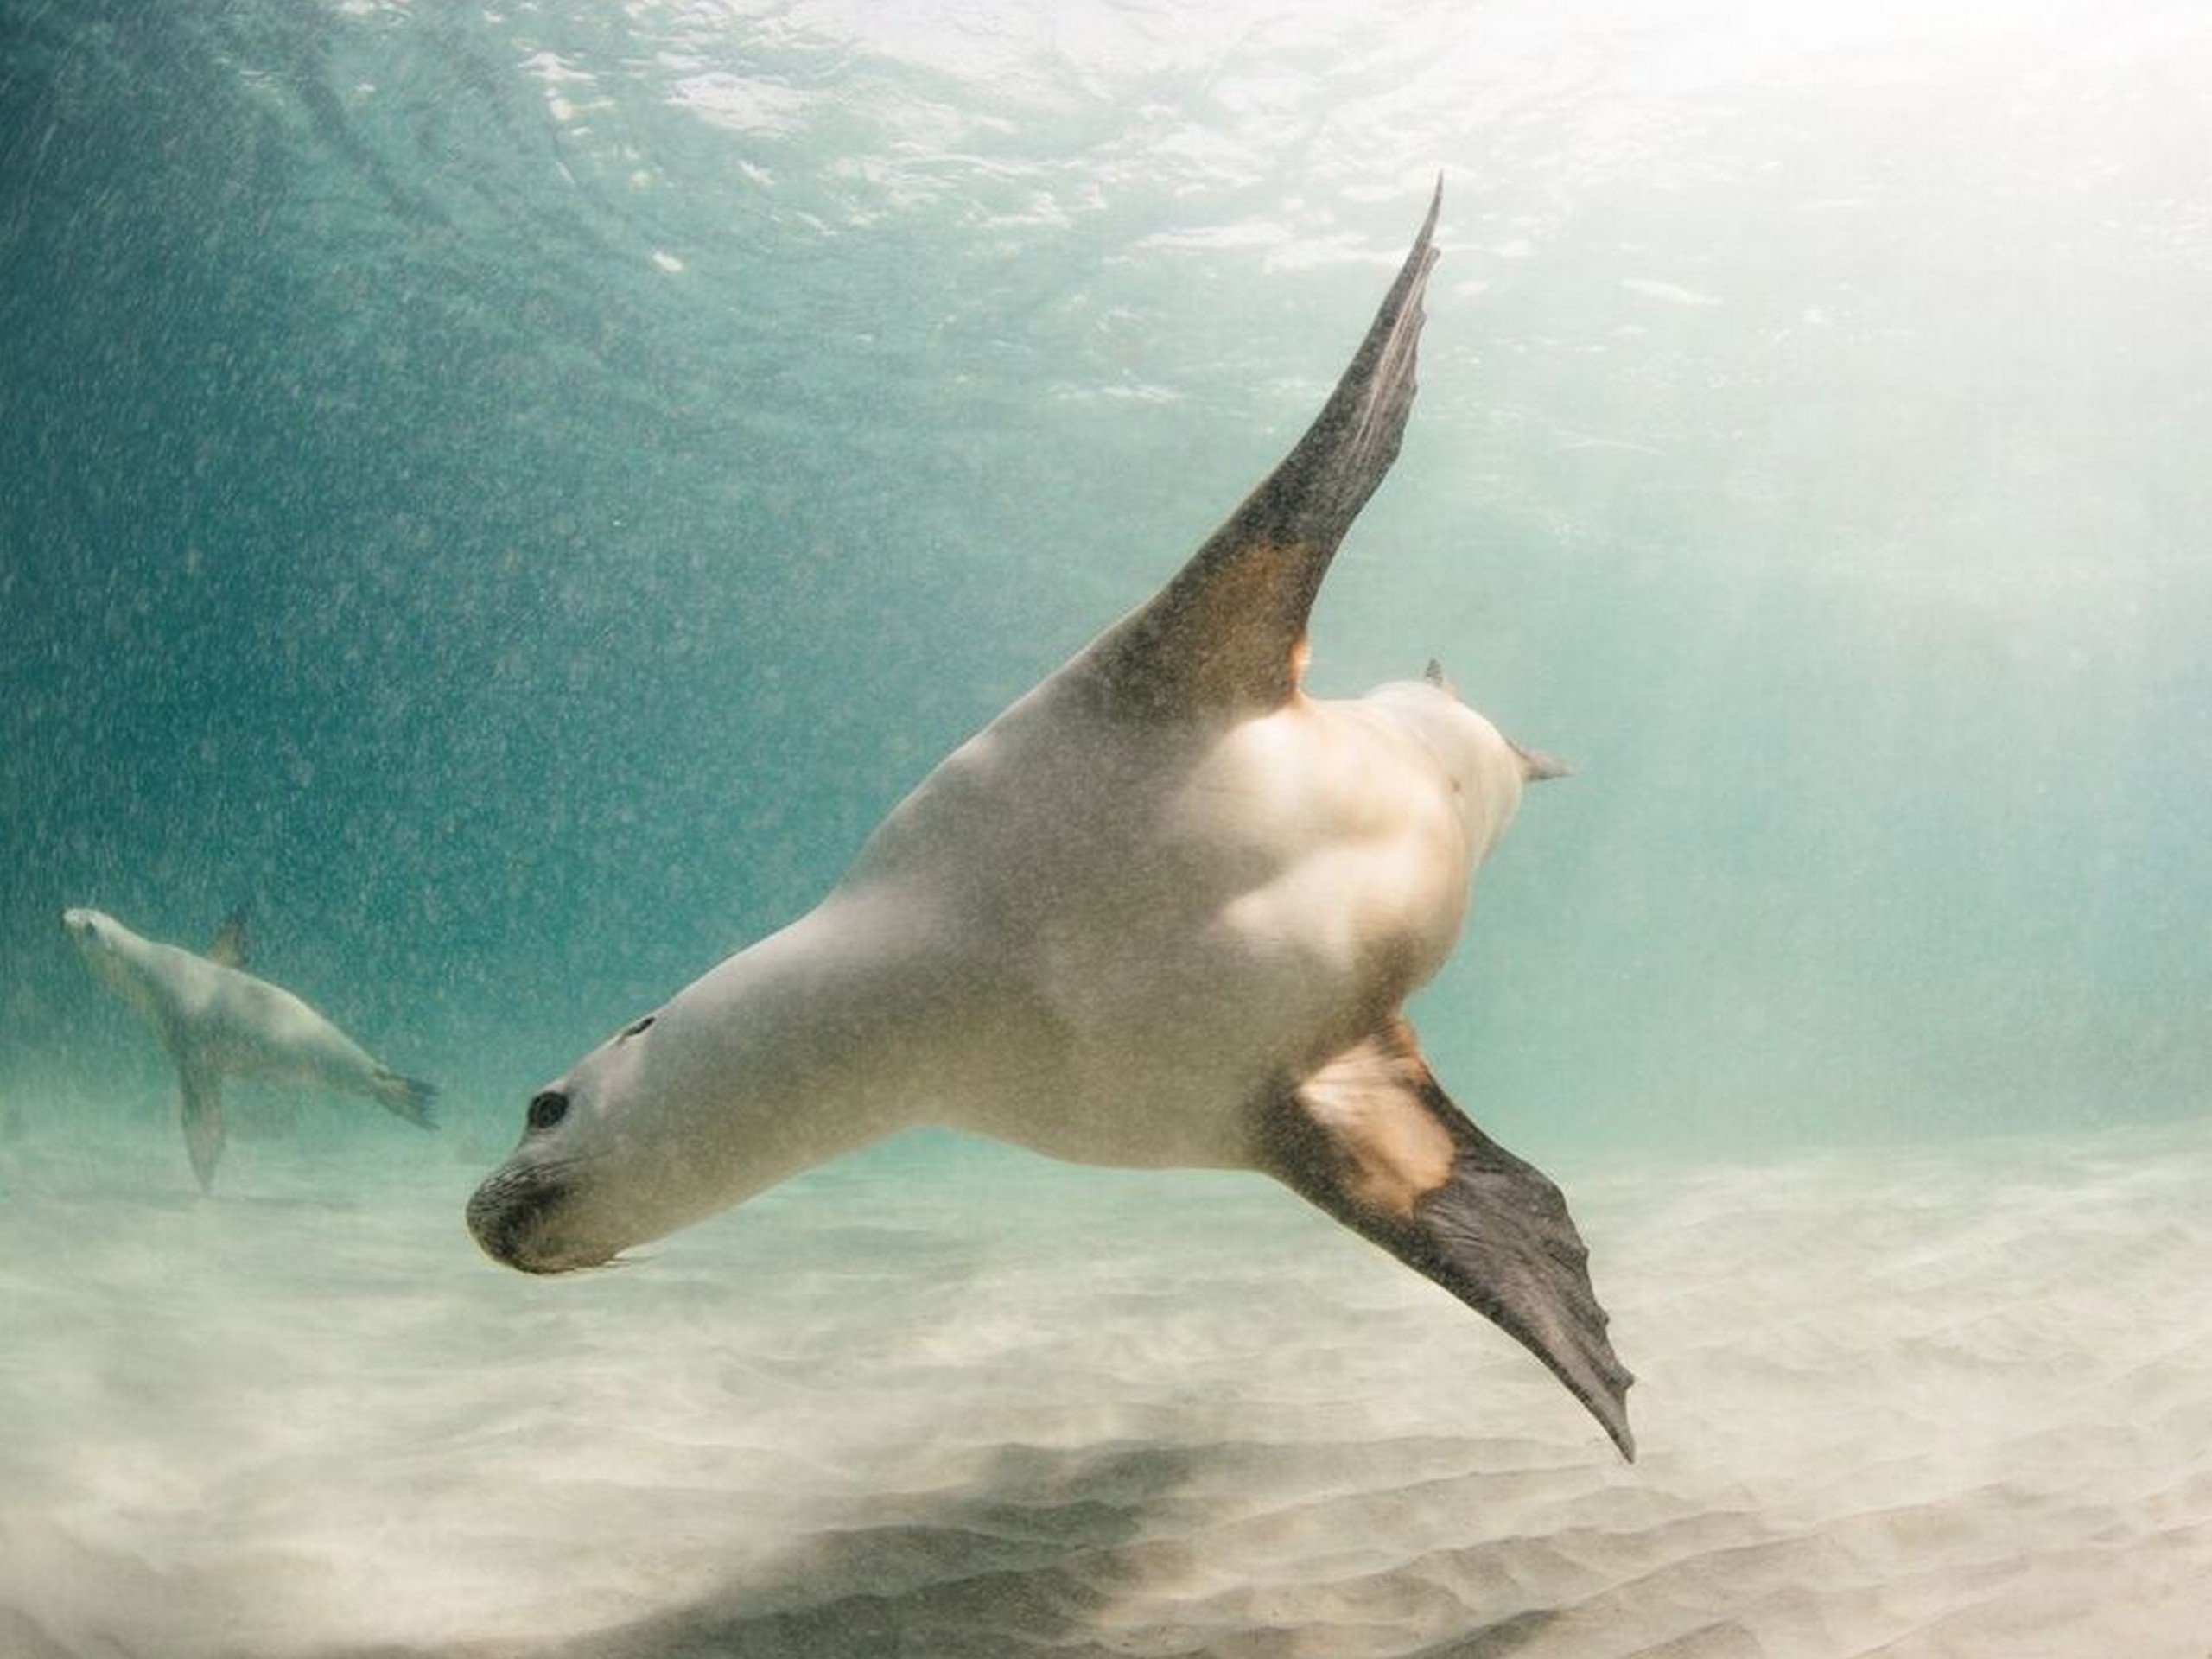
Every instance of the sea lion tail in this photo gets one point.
(407, 1097)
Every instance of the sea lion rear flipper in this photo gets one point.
(228, 947)
(1372, 1139)
(1228, 631)
(203, 1122)
(408, 1097)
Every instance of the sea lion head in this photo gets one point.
(578, 1189)
(676, 1115)
(99, 940)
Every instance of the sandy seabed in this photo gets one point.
(1937, 1400)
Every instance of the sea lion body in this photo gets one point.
(216, 1021)
(1163, 912)
(1275, 882)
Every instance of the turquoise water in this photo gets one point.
(513, 492)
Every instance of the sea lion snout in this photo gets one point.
(513, 1216)
(87, 931)
(505, 1209)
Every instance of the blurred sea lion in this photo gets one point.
(216, 1021)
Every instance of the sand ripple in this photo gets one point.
(1948, 1402)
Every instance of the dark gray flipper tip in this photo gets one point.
(1373, 1139)
(409, 1097)
(229, 947)
(1498, 1235)
(421, 1109)
(203, 1122)
(1228, 631)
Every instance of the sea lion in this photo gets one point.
(1163, 911)
(216, 1021)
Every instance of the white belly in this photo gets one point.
(242, 1026)
(1183, 935)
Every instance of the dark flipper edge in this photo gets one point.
(1371, 1138)
(1228, 631)
(203, 1122)
(408, 1097)
(229, 946)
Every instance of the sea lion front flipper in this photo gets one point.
(203, 1121)
(1372, 1139)
(228, 947)
(1228, 633)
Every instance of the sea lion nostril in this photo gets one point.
(548, 1109)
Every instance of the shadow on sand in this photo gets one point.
(1023, 1561)
(1079, 1553)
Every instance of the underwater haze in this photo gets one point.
(512, 493)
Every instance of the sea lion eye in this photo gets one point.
(548, 1109)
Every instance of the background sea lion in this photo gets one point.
(217, 1020)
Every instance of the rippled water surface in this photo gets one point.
(513, 492)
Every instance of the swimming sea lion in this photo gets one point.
(1164, 911)
(218, 1021)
